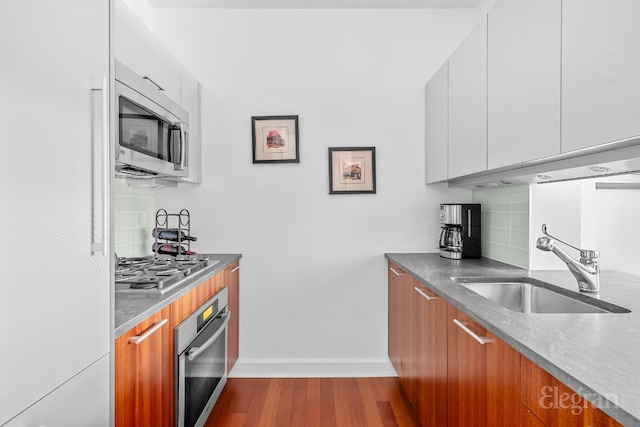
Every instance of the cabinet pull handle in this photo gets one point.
(235, 269)
(464, 327)
(101, 153)
(421, 292)
(395, 271)
(139, 338)
(154, 83)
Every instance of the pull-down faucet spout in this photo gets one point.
(586, 271)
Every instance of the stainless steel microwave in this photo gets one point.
(152, 130)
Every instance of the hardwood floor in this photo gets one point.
(310, 402)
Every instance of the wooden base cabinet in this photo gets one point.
(549, 402)
(418, 345)
(483, 375)
(144, 355)
(232, 281)
(430, 356)
(144, 373)
(402, 329)
(456, 373)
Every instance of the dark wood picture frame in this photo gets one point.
(352, 170)
(276, 139)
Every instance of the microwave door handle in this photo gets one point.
(196, 351)
(183, 148)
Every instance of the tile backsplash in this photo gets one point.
(135, 210)
(505, 223)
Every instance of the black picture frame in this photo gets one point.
(276, 139)
(352, 170)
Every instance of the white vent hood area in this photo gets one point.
(613, 159)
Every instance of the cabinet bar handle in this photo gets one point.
(139, 338)
(102, 153)
(154, 83)
(421, 292)
(464, 327)
(395, 272)
(235, 269)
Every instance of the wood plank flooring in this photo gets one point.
(312, 402)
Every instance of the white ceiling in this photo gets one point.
(316, 4)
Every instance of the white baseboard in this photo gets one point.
(312, 368)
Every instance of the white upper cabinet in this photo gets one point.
(138, 48)
(600, 72)
(437, 131)
(468, 105)
(190, 101)
(524, 81)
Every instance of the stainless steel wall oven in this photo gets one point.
(201, 361)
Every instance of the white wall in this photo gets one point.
(559, 206)
(617, 212)
(605, 220)
(313, 277)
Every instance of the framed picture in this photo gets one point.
(275, 139)
(352, 170)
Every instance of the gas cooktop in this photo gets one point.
(159, 273)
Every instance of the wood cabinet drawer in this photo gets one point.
(555, 404)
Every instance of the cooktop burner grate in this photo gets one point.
(156, 273)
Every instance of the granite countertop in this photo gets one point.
(594, 354)
(132, 308)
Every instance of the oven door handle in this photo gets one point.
(195, 351)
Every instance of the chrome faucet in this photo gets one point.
(586, 271)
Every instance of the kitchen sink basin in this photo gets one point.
(527, 295)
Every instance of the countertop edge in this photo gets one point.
(608, 406)
(164, 300)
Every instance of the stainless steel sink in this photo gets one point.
(527, 295)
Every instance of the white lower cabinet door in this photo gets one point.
(83, 401)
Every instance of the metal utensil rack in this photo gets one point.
(183, 228)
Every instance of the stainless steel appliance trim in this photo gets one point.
(196, 351)
(132, 80)
(149, 331)
(131, 157)
(463, 326)
(468, 222)
(185, 333)
(137, 90)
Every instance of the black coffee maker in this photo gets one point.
(460, 231)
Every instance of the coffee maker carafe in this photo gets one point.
(460, 231)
